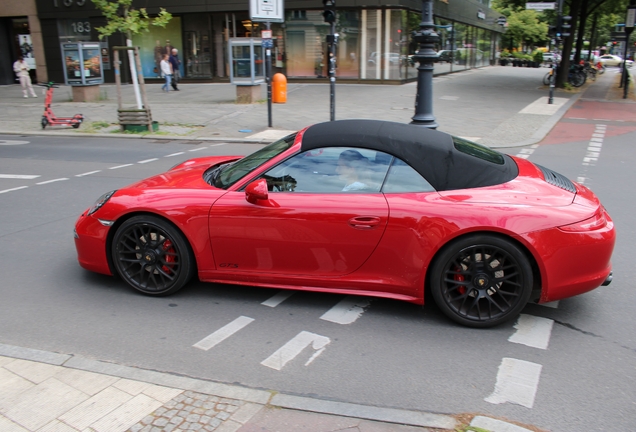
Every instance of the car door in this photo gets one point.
(307, 226)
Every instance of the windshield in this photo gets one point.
(230, 174)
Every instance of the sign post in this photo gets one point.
(267, 11)
(629, 28)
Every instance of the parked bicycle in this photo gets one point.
(576, 76)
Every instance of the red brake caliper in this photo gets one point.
(459, 278)
(167, 247)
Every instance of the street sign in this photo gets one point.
(618, 36)
(631, 14)
(540, 6)
(267, 11)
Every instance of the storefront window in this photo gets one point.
(156, 42)
(306, 46)
(348, 27)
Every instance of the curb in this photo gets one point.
(256, 399)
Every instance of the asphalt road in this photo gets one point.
(388, 353)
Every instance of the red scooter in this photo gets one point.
(49, 118)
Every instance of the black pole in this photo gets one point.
(332, 40)
(425, 55)
(628, 31)
(268, 76)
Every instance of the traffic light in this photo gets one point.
(330, 11)
(565, 25)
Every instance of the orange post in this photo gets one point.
(279, 88)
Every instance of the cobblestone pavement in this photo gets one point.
(190, 411)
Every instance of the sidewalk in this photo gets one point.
(51, 392)
(496, 106)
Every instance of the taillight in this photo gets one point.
(596, 222)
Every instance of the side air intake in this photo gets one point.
(557, 179)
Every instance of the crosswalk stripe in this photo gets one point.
(294, 347)
(517, 382)
(278, 298)
(532, 331)
(223, 333)
(347, 311)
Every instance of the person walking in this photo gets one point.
(166, 71)
(176, 73)
(21, 69)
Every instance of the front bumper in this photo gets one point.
(91, 244)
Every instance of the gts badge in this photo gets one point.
(229, 265)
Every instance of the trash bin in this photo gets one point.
(279, 88)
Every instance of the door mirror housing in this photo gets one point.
(257, 190)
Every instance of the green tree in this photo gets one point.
(525, 28)
(122, 17)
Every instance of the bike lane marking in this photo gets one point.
(347, 311)
(517, 382)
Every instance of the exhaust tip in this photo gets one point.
(608, 280)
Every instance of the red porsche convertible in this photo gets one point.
(361, 207)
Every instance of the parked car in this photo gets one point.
(364, 207)
(394, 58)
(445, 56)
(613, 60)
(550, 57)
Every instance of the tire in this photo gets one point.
(44, 122)
(481, 281)
(546, 79)
(577, 79)
(75, 125)
(152, 256)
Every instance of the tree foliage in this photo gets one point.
(122, 17)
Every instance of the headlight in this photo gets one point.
(100, 202)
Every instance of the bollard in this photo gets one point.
(279, 88)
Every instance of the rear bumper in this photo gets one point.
(572, 263)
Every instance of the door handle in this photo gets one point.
(364, 222)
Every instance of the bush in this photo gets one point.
(537, 57)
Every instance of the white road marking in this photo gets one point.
(517, 382)
(52, 181)
(527, 152)
(223, 333)
(554, 304)
(222, 144)
(294, 347)
(13, 189)
(18, 176)
(197, 149)
(147, 160)
(87, 173)
(347, 311)
(532, 331)
(595, 145)
(12, 142)
(278, 298)
(174, 154)
(121, 166)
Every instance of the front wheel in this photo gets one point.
(152, 256)
(546, 78)
(44, 122)
(481, 281)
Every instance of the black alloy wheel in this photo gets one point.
(481, 281)
(152, 256)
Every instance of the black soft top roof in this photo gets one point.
(429, 152)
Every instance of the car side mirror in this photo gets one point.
(257, 190)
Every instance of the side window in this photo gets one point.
(330, 170)
(402, 178)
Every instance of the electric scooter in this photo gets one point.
(49, 118)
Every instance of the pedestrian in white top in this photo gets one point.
(21, 69)
(166, 71)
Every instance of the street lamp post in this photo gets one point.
(426, 37)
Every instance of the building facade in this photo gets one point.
(375, 42)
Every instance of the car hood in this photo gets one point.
(186, 175)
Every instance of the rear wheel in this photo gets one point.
(481, 281)
(546, 79)
(152, 256)
(44, 122)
